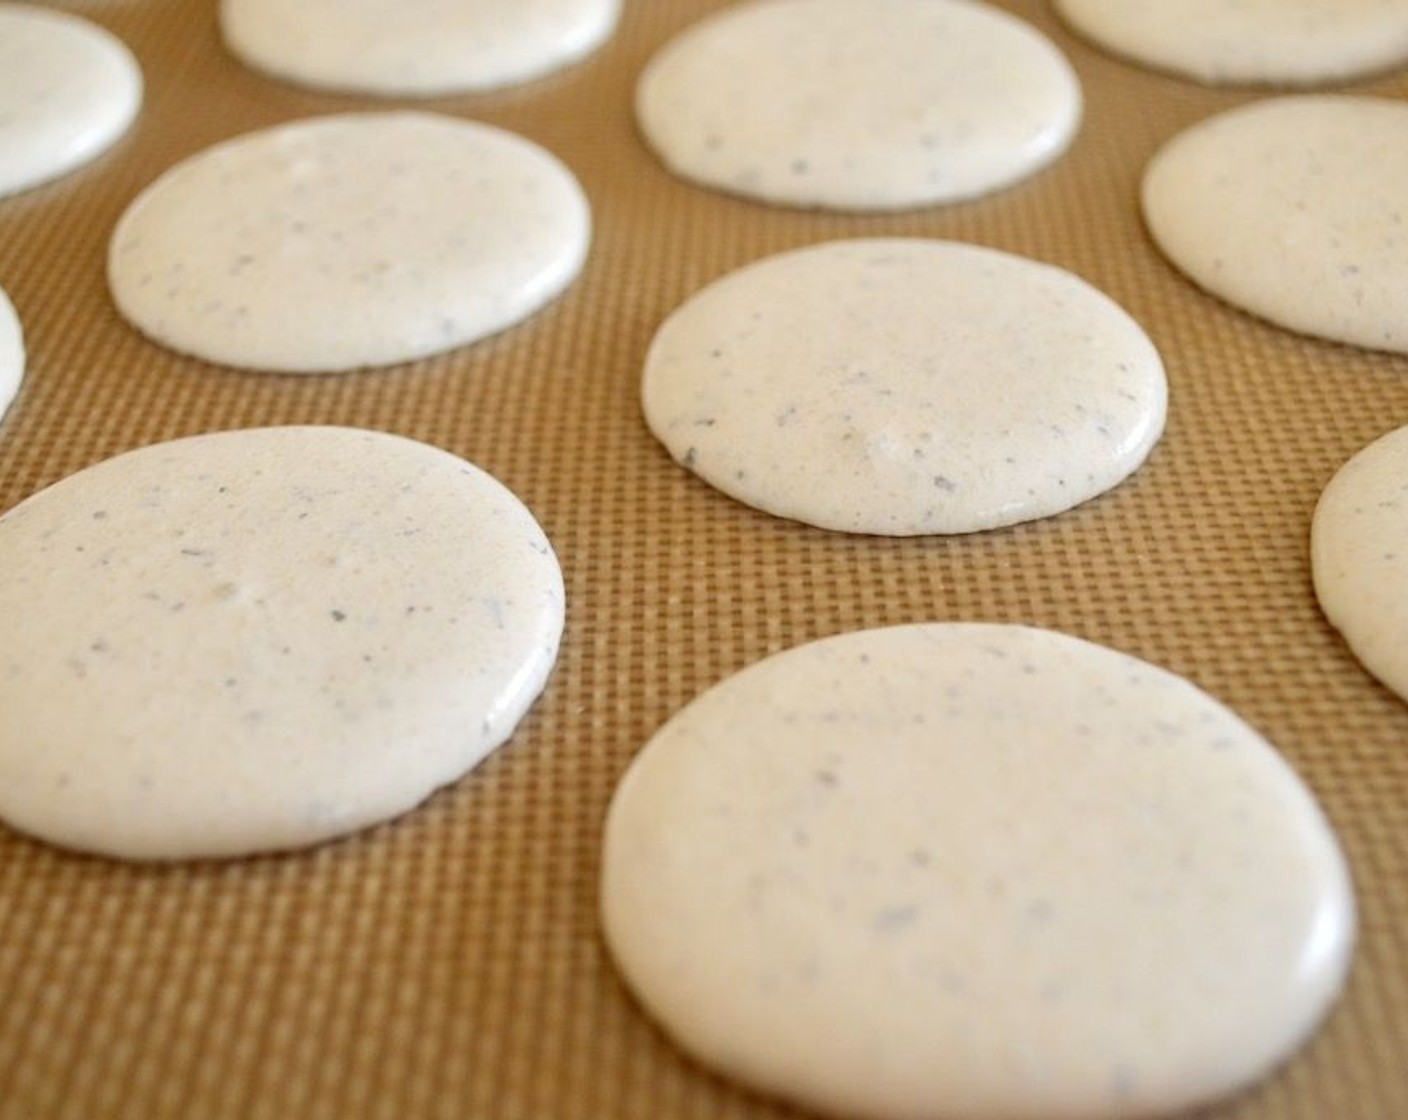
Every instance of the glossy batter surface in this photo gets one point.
(858, 104)
(346, 241)
(262, 639)
(904, 386)
(973, 870)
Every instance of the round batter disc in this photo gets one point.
(1359, 554)
(414, 48)
(68, 90)
(11, 353)
(1292, 208)
(353, 240)
(904, 386)
(261, 639)
(974, 870)
(858, 104)
(1249, 42)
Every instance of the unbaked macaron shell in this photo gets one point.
(858, 104)
(258, 640)
(12, 356)
(1249, 42)
(974, 870)
(1359, 555)
(68, 90)
(414, 48)
(346, 241)
(904, 387)
(1293, 208)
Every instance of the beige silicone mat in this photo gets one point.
(449, 965)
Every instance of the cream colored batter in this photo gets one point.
(1280, 42)
(858, 104)
(1359, 553)
(414, 48)
(262, 639)
(347, 241)
(904, 386)
(68, 91)
(974, 870)
(1293, 208)
(12, 355)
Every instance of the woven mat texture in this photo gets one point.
(450, 965)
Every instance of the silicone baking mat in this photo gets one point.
(450, 964)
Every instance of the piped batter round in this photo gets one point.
(12, 355)
(345, 241)
(974, 870)
(904, 386)
(1293, 209)
(1359, 554)
(858, 104)
(414, 48)
(262, 639)
(68, 90)
(1249, 42)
